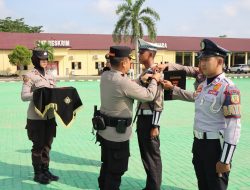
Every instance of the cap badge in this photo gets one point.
(203, 45)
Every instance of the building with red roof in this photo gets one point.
(84, 54)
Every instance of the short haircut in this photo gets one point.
(115, 61)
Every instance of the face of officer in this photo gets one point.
(146, 58)
(211, 66)
(126, 64)
(43, 63)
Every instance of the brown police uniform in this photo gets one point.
(118, 93)
(149, 117)
(41, 131)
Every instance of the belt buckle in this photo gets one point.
(198, 134)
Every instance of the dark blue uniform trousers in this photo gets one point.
(150, 152)
(206, 153)
(114, 157)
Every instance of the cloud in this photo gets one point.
(236, 7)
(4, 11)
(230, 10)
(105, 7)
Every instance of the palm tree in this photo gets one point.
(130, 24)
(46, 47)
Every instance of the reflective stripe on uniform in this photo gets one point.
(227, 153)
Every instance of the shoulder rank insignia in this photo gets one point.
(25, 79)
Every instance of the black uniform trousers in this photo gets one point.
(150, 152)
(114, 157)
(41, 133)
(206, 153)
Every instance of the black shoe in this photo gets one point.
(51, 176)
(41, 178)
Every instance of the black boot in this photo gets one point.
(46, 172)
(40, 177)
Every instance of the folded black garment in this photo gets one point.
(65, 101)
(177, 78)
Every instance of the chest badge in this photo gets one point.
(217, 87)
(67, 100)
(199, 89)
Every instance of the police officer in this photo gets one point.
(107, 67)
(117, 96)
(217, 120)
(149, 115)
(41, 131)
(148, 121)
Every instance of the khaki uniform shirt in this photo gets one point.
(191, 71)
(32, 81)
(118, 93)
(181, 94)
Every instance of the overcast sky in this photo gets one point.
(210, 18)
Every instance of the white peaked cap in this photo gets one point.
(149, 46)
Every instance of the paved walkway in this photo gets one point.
(75, 156)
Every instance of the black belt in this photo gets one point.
(113, 121)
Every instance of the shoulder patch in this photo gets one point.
(26, 79)
(231, 106)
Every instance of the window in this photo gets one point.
(239, 58)
(188, 59)
(196, 60)
(99, 65)
(22, 67)
(76, 65)
(178, 57)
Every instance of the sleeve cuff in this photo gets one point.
(227, 153)
(156, 118)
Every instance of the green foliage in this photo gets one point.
(20, 56)
(46, 47)
(17, 25)
(132, 20)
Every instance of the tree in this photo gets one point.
(17, 25)
(20, 56)
(46, 47)
(223, 36)
(131, 22)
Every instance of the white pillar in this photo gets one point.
(229, 60)
(193, 59)
(246, 58)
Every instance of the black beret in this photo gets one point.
(119, 52)
(210, 49)
(40, 54)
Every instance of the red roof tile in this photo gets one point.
(103, 42)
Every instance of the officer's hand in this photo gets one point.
(222, 168)
(161, 67)
(157, 76)
(154, 132)
(145, 77)
(167, 85)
